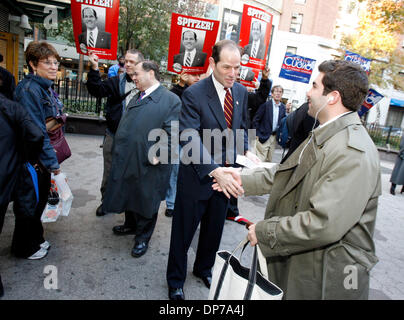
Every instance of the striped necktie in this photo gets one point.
(141, 94)
(254, 50)
(188, 60)
(91, 40)
(228, 108)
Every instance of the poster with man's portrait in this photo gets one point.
(255, 35)
(95, 27)
(191, 42)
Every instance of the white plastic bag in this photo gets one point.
(65, 194)
(53, 207)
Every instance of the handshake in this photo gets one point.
(228, 180)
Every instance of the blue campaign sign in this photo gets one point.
(358, 59)
(371, 99)
(297, 68)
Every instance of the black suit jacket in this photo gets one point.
(199, 59)
(103, 39)
(207, 113)
(263, 120)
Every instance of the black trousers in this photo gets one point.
(187, 215)
(144, 226)
(232, 210)
(28, 231)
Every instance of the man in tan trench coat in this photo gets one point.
(319, 221)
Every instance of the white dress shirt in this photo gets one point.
(94, 35)
(151, 89)
(193, 53)
(221, 92)
(275, 114)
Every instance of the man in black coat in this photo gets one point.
(20, 140)
(139, 176)
(266, 123)
(7, 85)
(119, 90)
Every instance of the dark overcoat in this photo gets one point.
(397, 176)
(134, 183)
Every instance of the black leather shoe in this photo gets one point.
(169, 213)
(139, 249)
(176, 293)
(393, 190)
(206, 280)
(123, 230)
(99, 212)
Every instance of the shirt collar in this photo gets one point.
(333, 119)
(151, 89)
(219, 87)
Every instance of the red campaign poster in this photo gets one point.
(191, 42)
(248, 76)
(95, 26)
(255, 34)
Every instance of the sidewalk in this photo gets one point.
(92, 263)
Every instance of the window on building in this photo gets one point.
(231, 23)
(395, 116)
(296, 23)
(300, 1)
(291, 49)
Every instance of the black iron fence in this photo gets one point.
(77, 99)
(386, 137)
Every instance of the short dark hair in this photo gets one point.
(219, 46)
(137, 52)
(196, 39)
(275, 87)
(148, 65)
(95, 12)
(38, 50)
(348, 78)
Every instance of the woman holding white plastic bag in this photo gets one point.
(35, 92)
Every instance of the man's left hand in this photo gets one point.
(252, 236)
(252, 157)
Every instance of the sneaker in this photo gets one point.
(45, 245)
(169, 213)
(38, 255)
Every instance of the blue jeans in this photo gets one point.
(172, 189)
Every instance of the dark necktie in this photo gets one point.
(141, 94)
(228, 108)
(188, 60)
(91, 40)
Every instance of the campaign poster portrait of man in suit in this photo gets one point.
(191, 56)
(256, 47)
(92, 35)
(246, 74)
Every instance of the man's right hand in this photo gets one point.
(228, 181)
(93, 58)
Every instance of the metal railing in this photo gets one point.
(385, 137)
(76, 98)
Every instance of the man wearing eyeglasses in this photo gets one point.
(93, 37)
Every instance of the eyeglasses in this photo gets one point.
(49, 63)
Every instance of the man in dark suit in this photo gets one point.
(7, 85)
(256, 48)
(266, 122)
(93, 37)
(214, 103)
(190, 57)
